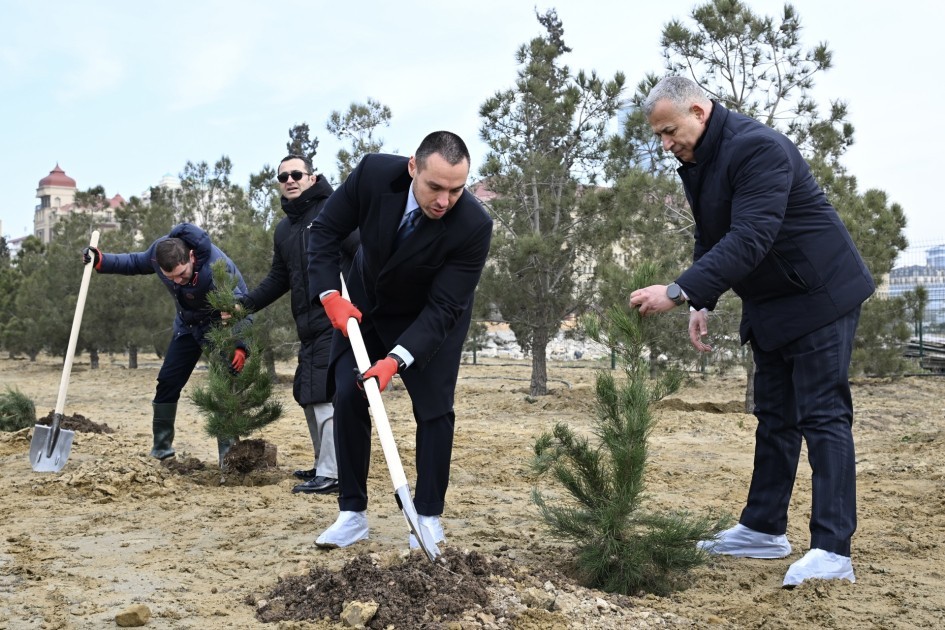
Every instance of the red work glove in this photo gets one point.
(239, 360)
(382, 370)
(339, 310)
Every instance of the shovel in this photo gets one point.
(50, 446)
(386, 436)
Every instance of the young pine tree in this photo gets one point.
(621, 547)
(17, 410)
(234, 405)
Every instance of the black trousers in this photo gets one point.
(179, 362)
(802, 391)
(434, 442)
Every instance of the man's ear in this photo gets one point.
(412, 167)
(700, 112)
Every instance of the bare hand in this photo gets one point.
(699, 328)
(651, 300)
(224, 315)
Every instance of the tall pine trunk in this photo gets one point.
(539, 384)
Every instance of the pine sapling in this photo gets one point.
(620, 545)
(234, 404)
(17, 410)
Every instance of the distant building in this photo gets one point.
(14, 245)
(56, 193)
(935, 257)
(931, 275)
(168, 182)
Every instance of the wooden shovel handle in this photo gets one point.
(76, 324)
(381, 422)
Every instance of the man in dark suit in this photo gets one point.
(764, 228)
(416, 296)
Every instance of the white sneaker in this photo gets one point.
(349, 528)
(743, 542)
(433, 526)
(820, 564)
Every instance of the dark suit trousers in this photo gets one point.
(802, 391)
(434, 442)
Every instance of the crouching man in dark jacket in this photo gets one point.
(182, 261)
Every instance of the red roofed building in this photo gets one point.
(56, 193)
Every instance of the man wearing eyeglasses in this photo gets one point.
(182, 261)
(424, 242)
(303, 195)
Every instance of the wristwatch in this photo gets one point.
(401, 364)
(675, 293)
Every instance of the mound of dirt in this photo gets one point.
(249, 455)
(76, 422)
(409, 592)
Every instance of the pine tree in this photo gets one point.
(621, 546)
(357, 126)
(301, 143)
(234, 405)
(547, 139)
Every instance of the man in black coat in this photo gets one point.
(764, 228)
(416, 296)
(304, 193)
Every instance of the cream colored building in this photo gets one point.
(56, 193)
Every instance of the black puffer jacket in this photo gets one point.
(289, 273)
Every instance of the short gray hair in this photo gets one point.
(679, 91)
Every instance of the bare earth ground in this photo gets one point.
(116, 528)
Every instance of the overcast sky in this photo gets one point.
(122, 93)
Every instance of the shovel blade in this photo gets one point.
(421, 533)
(50, 448)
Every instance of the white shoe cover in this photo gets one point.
(743, 542)
(349, 528)
(819, 564)
(431, 524)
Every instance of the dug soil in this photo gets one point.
(207, 550)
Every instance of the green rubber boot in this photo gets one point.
(163, 427)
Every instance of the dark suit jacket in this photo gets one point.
(419, 297)
(765, 229)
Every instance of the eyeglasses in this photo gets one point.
(296, 175)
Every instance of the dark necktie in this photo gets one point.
(407, 227)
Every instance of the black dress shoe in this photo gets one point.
(318, 485)
(305, 475)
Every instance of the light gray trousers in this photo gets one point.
(321, 426)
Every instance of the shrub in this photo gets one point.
(17, 411)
